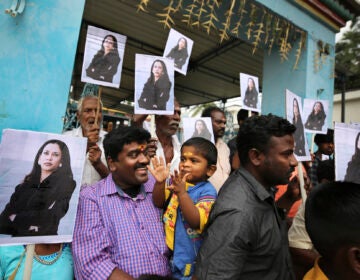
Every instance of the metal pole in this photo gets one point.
(343, 99)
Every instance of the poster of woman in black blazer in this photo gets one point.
(294, 115)
(38, 185)
(249, 92)
(154, 85)
(316, 112)
(103, 56)
(178, 48)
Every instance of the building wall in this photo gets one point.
(307, 80)
(37, 54)
(352, 105)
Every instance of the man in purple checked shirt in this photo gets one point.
(118, 231)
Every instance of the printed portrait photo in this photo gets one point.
(40, 176)
(294, 116)
(178, 48)
(103, 57)
(347, 151)
(198, 127)
(154, 85)
(249, 92)
(315, 113)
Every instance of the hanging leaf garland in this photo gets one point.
(241, 12)
(167, 19)
(189, 13)
(226, 26)
(263, 28)
(199, 13)
(285, 46)
(211, 17)
(251, 23)
(301, 45)
(142, 6)
(258, 33)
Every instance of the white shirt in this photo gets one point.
(90, 175)
(222, 166)
(176, 159)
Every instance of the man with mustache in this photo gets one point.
(118, 231)
(90, 121)
(223, 168)
(246, 235)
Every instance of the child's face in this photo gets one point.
(195, 164)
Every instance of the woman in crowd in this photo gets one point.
(201, 130)
(51, 261)
(179, 53)
(316, 119)
(353, 169)
(251, 94)
(299, 132)
(156, 92)
(42, 199)
(104, 64)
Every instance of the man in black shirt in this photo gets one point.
(246, 236)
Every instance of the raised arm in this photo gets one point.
(189, 210)
(161, 174)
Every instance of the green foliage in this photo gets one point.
(348, 58)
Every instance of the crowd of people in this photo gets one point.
(151, 208)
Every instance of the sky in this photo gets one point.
(339, 35)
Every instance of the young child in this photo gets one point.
(332, 219)
(186, 202)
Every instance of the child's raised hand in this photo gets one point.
(178, 183)
(158, 169)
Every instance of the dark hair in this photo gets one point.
(256, 131)
(208, 111)
(297, 105)
(64, 170)
(205, 129)
(204, 147)
(165, 73)
(332, 215)
(184, 40)
(242, 115)
(321, 114)
(326, 170)
(116, 139)
(325, 138)
(115, 49)
(251, 79)
(321, 105)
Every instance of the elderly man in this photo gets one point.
(223, 168)
(246, 236)
(95, 164)
(118, 231)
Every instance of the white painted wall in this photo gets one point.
(352, 107)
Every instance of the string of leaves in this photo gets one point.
(225, 30)
(263, 28)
